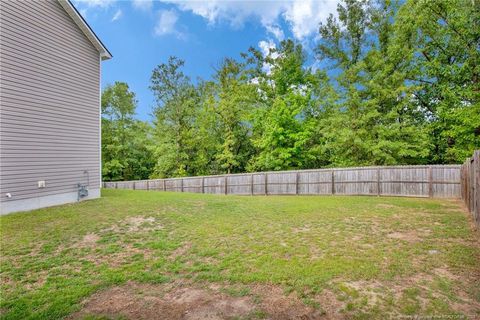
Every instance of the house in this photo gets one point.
(49, 105)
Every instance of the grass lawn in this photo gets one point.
(140, 254)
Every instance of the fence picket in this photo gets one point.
(470, 185)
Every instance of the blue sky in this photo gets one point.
(142, 34)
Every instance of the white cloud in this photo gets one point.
(276, 31)
(167, 24)
(84, 6)
(117, 15)
(233, 12)
(268, 49)
(302, 16)
(144, 5)
(95, 3)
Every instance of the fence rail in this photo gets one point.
(439, 181)
(470, 185)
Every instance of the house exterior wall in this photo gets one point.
(49, 107)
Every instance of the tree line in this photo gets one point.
(390, 82)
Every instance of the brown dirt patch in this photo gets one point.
(330, 305)
(123, 256)
(135, 224)
(138, 301)
(89, 240)
(357, 238)
(372, 290)
(39, 279)
(302, 229)
(186, 301)
(316, 253)
(409, 236)
(180, 251)
(445, 273)
(386, 206)
(277, 305)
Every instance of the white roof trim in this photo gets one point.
(83, 25)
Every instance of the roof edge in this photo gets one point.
(86, 29)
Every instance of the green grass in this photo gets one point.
(377, 255)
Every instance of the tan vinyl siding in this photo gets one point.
(49, 96)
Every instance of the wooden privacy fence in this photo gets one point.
(470, 176)
(441, 181)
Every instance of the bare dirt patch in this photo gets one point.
(119, 258)
(277, 305)
(138, 301)
(357, 238)
(89, 240)
(141, 223)
(184, 301)
(445, 273)
(409, 236)
(302, 229)
(330, 305)
(135, 224)
(386, 206)
(180, 251)
(38, 280)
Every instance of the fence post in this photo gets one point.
(462, 193)
(266, 184)
(148, 185)
(203, 184)
(472, 183)
(430, 184)
(133, 185)
(164, 185)
(465, 190)
(378, 182)
(469, 185)
(225, 184)
(251, 184)
(116, 185)
(476, 181)
(296, 183)
(181, 183)
(333, 182)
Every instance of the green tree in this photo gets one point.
(208, 134)
(125, 140)
(282, 128)
(440, 40)
(374, 121)
(235, 97)
(175, 115)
